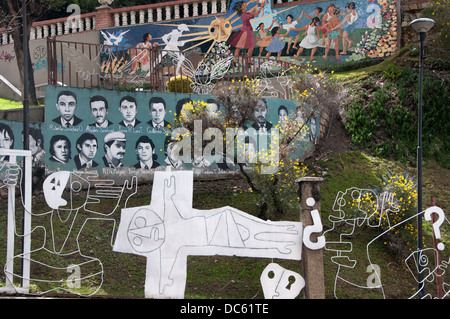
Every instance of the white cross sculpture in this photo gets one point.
(169, 229)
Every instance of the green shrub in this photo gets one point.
(179, 84)
(383, 118)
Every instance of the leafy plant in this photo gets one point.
(400, 197)
(180, 84)
(382, 115)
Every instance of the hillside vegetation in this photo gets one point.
(370, 145)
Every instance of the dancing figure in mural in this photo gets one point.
(169, 229)
(244, 38)
(347, 25)
(290, 28)
(311, 40)
(334, 33)
(276, 46)
(263, 40)
(324, 28)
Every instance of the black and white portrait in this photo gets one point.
(87, 147)
(128, 108)
(145, 153)
(114, 145)
(36, 144)
(261, 112)
(60, 149)
(99, 112)
(66, 104)
(157, 110)
(6, 139)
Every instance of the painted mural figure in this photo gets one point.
(311, 41)
(261, 112)
(99, 111)
(66, 103)
(333, 35)
(114, 146)
(212, 108)
(6, 139)
(263, 39)
(290, 28)
(173, 45)
(128, 108)
(282, 116)
(157, 110)
(180, 108)
(317, 13)
(145, 151)
(244, 38)
(170, 149)
(324, 28)
(276, 46)
(60, 149)
(36, 144)
(141, 55)
(87, 146)
(348, 25)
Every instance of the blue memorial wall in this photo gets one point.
(63, 144)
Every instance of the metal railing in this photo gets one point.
(90, 65)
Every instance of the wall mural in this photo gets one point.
(317, 32)
(104, 130)
(130, 132)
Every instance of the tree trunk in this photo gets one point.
(18, 48)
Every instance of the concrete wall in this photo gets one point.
(50, 128)
(38, 54)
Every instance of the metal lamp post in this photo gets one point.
(421, 26)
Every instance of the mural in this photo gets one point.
(316, 32)
(104, 130)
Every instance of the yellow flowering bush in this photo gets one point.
(404, 197)
(179, 84)
(388, 207)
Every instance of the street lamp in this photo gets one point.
(422, 26)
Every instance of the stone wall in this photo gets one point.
(411, 10)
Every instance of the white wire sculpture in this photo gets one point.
(12, 177)
(59, 188)
(349, 220)
(169, 229)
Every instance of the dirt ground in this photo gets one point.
(336, 140)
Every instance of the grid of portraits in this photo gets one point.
(93, 129)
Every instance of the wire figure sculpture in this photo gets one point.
(350, 221)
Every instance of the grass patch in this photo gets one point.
(363, 73)
(356, 169)
(6, 104)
